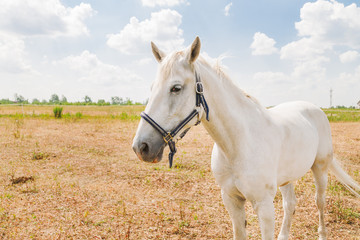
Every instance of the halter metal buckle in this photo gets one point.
(199, 88)
(168, 137)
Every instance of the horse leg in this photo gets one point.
(266, 214)
(236, 208)
(320, 174)
(289, 202)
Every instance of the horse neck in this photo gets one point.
(232, 112)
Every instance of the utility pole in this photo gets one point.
(331, 91)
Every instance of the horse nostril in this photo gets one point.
(144, 148)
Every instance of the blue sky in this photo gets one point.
(277, 50)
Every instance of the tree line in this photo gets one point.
(56, 100)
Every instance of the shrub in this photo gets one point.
(57, 112)
(78, 115)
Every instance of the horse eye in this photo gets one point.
(175, 89)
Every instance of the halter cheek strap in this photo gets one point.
(200, 99)
(168, 136)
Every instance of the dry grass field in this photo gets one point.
(78, 178)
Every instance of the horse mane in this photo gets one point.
(220, 71)
(214, 65)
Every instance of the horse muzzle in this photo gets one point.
(149, 151)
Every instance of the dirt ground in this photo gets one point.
(79, 179)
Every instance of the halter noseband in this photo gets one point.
(169, 136)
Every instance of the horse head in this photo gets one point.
(172, 99)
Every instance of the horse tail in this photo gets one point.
(344, 178)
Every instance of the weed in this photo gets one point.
(338, 206)
(124, 116)
(6, 195)
(98, 224)
(58, 112)
(68, 168)
(17, 134)
(178, 165)
(78, 115)
(39, 155)
(67, 115)
(147, 180)
(184, 224)
(127, 235)
(343, 213)
(18, 123)
(202, 173)
(122, 208)
(19, 180)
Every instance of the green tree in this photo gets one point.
(128, 101)
(64, 99)
(6, 101)
(101, 102)
(87, 99)
(116, 100)
(35, 101)
(54, 99)
(19, 98)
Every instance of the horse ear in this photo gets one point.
(194, 50)
(159, 55)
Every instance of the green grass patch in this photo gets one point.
(343, 115)
(126, 113)
(78, 115)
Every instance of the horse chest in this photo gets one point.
(225, 175)
(227, 183)
(238, 179)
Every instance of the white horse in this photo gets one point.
(256, 149)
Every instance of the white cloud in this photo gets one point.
(263, 45)
(350, 78)
(330, 22)
(21, 19)
(162, 3)
(162, 28)
(349, 56)
(310, 70)
(145, 61)
(346, 88)
(324, 27)
(227, 9)
(271, 77)
(89, 69)
(43, 17)
(303, 49)
(12, 55)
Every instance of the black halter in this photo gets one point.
(168, 136)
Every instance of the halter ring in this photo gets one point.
(168, 137)
(199, 88)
